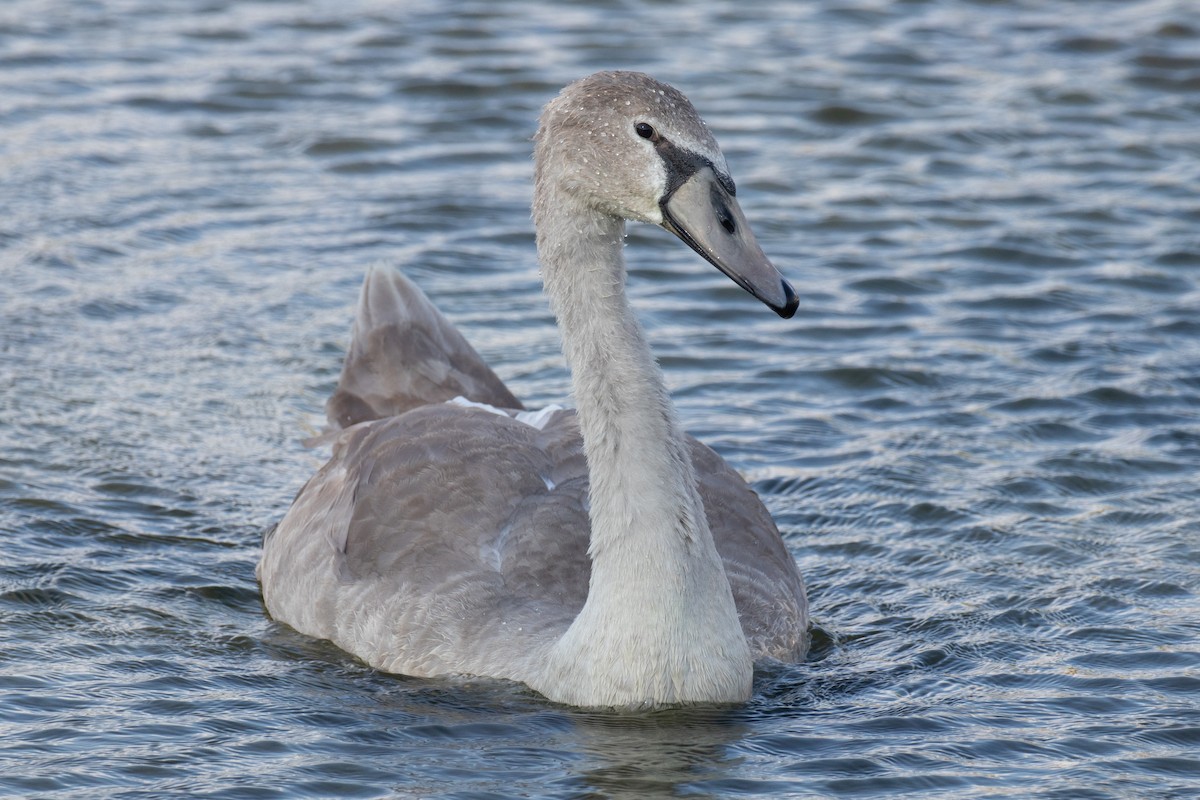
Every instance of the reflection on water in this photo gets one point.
(657, 754)
(980, 435)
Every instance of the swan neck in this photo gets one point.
(628, 423)
(659, 624)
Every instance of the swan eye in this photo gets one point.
(645, 130)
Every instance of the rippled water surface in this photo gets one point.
(980, 435)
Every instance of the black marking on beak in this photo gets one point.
(700, 211)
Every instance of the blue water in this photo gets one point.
(980, 435)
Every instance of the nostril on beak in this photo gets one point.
(726, 220)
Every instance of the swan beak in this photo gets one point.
(702, 213)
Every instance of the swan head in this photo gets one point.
(626, 145)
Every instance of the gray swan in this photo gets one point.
(603, 557)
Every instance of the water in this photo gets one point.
(980, 435)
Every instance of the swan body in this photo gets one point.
(600, 556)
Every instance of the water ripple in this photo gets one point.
(979, 437)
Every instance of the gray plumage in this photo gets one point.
(604, 558)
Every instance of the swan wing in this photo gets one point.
(766, 584)
(403, 354)
(444, 540)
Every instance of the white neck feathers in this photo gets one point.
(659, 624)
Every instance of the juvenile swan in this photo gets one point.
(603, 557)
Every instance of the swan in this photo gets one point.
(600, 556)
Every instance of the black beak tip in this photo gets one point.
(790, 302)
